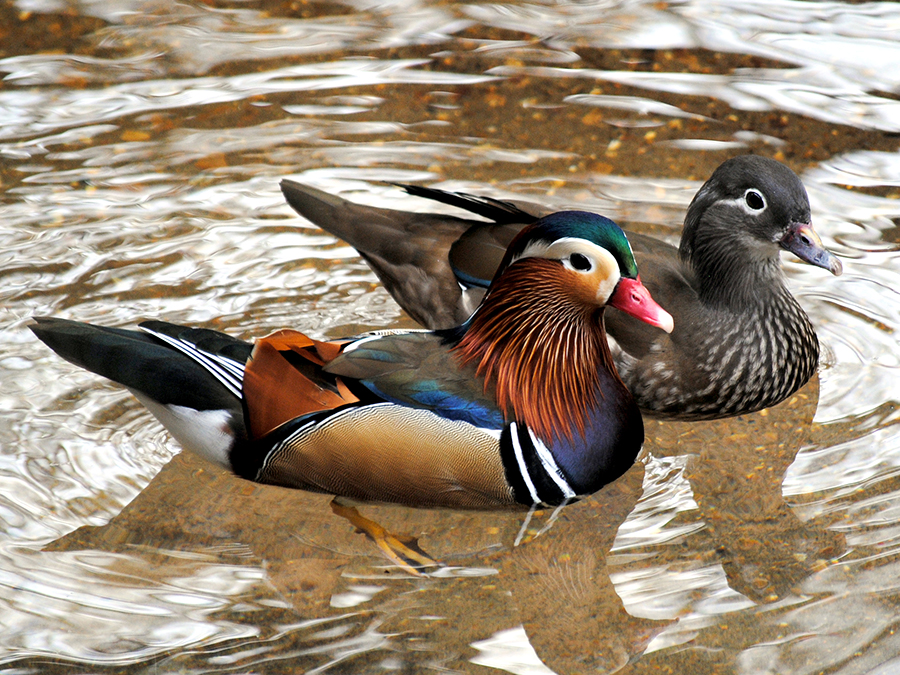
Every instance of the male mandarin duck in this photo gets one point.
(519, 405)
(741, 341)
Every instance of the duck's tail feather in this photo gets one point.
(190, 379)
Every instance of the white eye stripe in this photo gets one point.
(755, 200)
(602, 261)
(563, 249)
(750, 196)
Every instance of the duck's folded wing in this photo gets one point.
(416, 435)
(419, 371)
(408, 251)
(496, 210)
(478, 251)
(476, 255)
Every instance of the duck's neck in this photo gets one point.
(545, 356)
(757, 320)
(731, 271)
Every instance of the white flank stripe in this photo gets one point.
(517, 449)
(227, 371)
(551, 467)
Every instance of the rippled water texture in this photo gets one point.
(142, 144)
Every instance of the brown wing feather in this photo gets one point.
(276, 391)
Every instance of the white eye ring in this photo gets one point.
(578, 262)
(754, 201)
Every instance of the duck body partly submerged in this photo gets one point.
(520, 405)
(741, 341)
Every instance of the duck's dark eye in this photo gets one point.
(754, 200)
(580, 262)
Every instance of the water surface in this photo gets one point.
(141, 145)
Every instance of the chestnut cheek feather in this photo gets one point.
(523, 359)
(593, 289)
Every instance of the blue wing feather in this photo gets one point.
(449, 405)
(418, 370)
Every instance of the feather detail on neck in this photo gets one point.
(542, 351)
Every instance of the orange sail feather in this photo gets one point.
(279, 391)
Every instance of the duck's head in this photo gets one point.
(752, 207)
(591, 257)
(538, 334)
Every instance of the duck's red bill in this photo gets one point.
(632, 297)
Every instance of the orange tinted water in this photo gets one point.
(142, 144)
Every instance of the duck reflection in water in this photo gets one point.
(486, 583)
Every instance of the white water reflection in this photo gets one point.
(140, 180)
(114, 610)
(602, 23)
(820, 94)
(820, 635)
(834, 56)
(846, 39)
(510, 651)
(39, 111)
(838, 46)
(859, 329)
(642, 106)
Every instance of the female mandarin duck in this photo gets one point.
(741, 341)
(519, 405)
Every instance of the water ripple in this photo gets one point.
(72, 605)
(39, 111)
(140, 179)
(819, 95)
